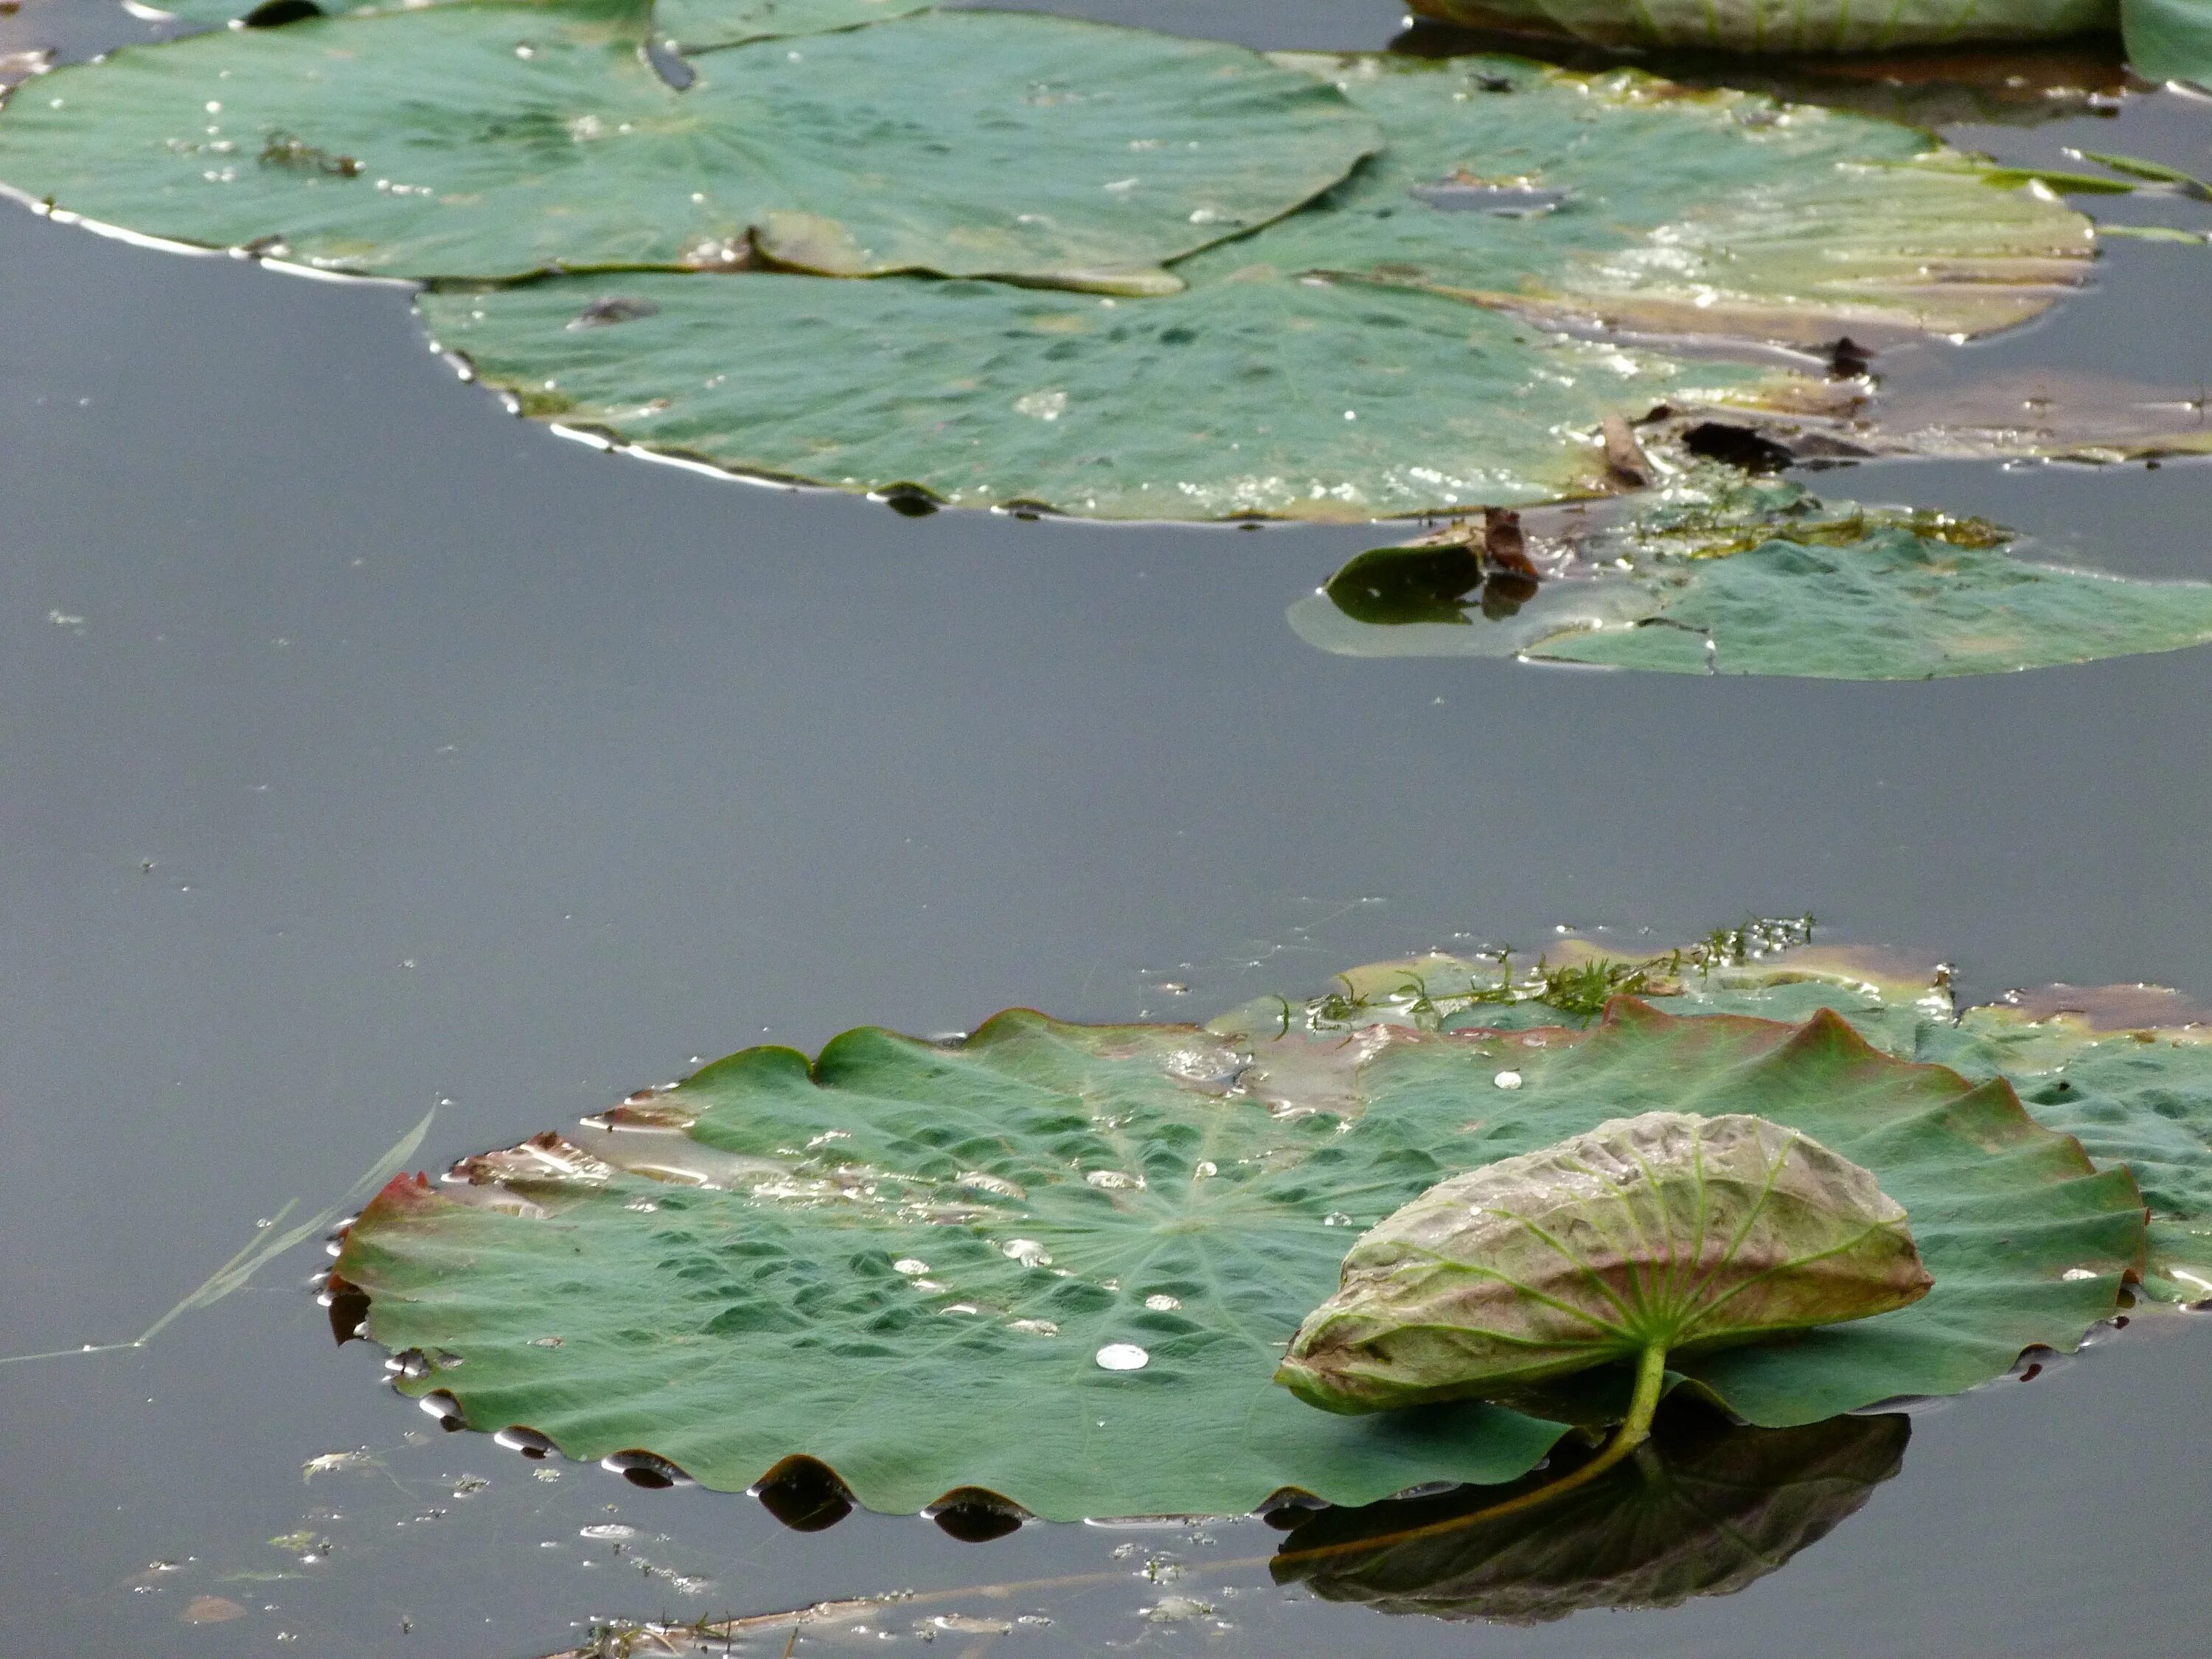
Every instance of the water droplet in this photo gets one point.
(1027, 1251)
(1123, 1357)
(1162, 1303)
(909, 1266)
(1113, 1180)
(1206, 1170)
(1336, 1219)
(1034, 1327)
(2079, 1273)
(1507, 1079)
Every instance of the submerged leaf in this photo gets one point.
(1665, 1231)
(494, 139)
(1707, 1508)
(1058, 1262)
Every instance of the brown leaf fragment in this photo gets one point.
(1504, 546)
(1623, 456)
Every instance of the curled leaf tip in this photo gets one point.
(1668, 1231)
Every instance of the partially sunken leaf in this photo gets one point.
(1714, 574)
(1812, 25)
(493, 138)
(1665, 1231)
(1706, 1508)
(1104, 1235)
(699, 25)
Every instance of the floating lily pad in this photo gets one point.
(1253, 393)
(1060, 1262)
(1708, 1507)
(1712, 574)
(1626, 201)
(1665, 1231)
(1819, 26)
(1266, 389)
(493, 138)
(699, 25)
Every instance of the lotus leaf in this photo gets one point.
(494, 139)
(1711, 574)
(1267, 389)
(694, 25)
(1708, 1509)
(2169, 39)
(1060, 1262)
(1665, 1231)
(699, 25)
(1252, 394)
(1624, 200)
(1768, 26)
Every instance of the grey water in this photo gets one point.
(363, 748)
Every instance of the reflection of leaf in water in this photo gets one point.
(1704, 1508)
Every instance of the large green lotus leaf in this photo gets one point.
(1665, 1231)
(2169, 39)
(492, 139)
(1628, 201)
(1712, 574)
(1706, 1508)
(1250, 393)
(1060, 1262)
(701, 25)
(1784, 26)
